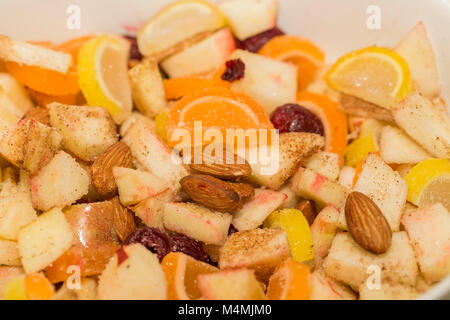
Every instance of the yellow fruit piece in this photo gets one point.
(103, 75)
(378, 75)
(161, 124)
(15, 289)
(297, 228)
(429, 183)
(176, 23)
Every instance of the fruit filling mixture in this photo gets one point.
(99, 199)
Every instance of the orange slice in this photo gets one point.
(301, 52)
(333, 119)
(214, 108)
(38, 287)
(181, 273)
(290, 281)
(43, 99)
(179, 87)
(48, 81)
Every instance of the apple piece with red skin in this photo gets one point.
(238, 284)
(257, 209)
(197, 222)
(137, 276)
(429, 231)
(95, 241)
(323, 231)
(151, 210)
(152, 154)
(250, 17)
(135, 185)
(202, 57)
(325, 288)
(312, 185)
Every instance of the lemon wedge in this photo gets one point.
(298, 232)
(178, 22)
(374, 74)
(103, 75)
(429, 183)
(161, 124)
(15, 289)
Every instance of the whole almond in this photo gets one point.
(367, 224)
(39, 114)
(123, 219)
(226, 166)
(244, 190)
(117, 155)
(211, 192)
(308, 208)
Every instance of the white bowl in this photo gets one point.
(338, 26)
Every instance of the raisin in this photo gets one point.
(253, 44)
(295, 118)
(235, 70)
(135, 54)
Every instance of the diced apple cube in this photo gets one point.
(312, 185)
(387, 291)
(349, 263)
(429, 231)
(197, 222)
(87, 131)
(325, 163)
(257, 209)
(135, 185)
(60, 183)
(292, 149)
(392, 140)
(270, 82)
(249, 17)
(153, 154)
(15, 92)
(240, 284)
(325, 288)
(385, 187)
(42, 241)
(147, 88)
(133, 273)
(420, 119)
(9, 253)
(346, 177)
(291, 197)
(12, 142)
(418, 52)
(202, 57)
(151, 210)
(258, 249)
(10, 113)
(323, 231)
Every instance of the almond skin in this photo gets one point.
(123, 219)
(211, 192)
(39, 114)
(308, 208)
(228, 166)
(244, 190)
(367, 224)
(117, 155)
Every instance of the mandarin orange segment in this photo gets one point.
(38, 287)
(181, 273)
(48, 81)
(180, 87)
(290, 281)
(301, 52)
(43, 99)
(214, 108)
(333, 119)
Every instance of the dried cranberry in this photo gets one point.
(253, 44)
(135, 54)
(186, 245)
(156, 240)
(235, 70)
(295, 118)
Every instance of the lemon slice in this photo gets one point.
(176, 23)
(161, 124)
(374, 74)
(103, 75)
(297, 228)
(429, 183)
